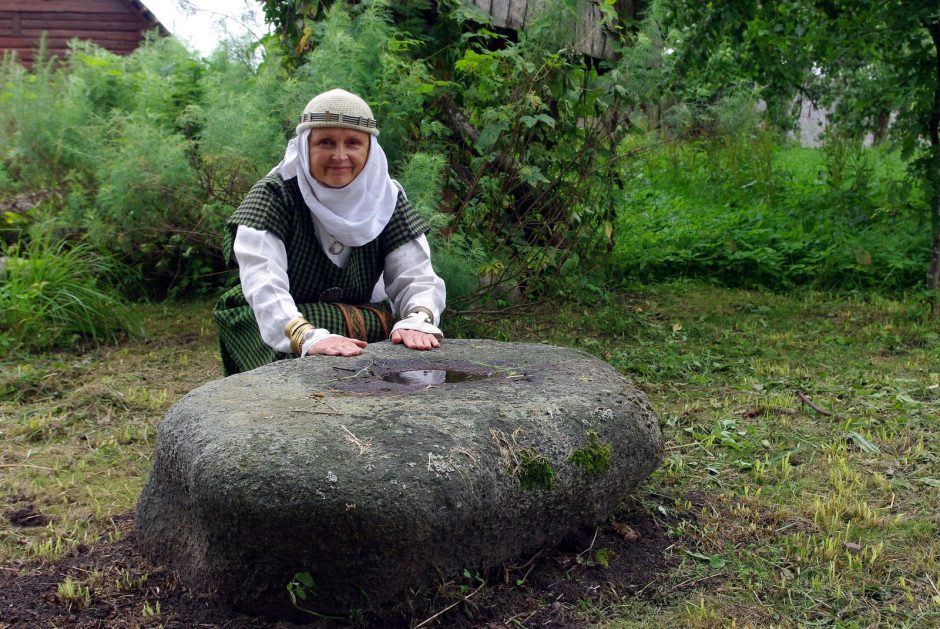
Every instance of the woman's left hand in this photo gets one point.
(415, 340)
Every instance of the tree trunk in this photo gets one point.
(933, 178)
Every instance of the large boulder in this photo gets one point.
(390, 470)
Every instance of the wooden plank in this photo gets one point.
(83, 25)
(71, 16)
(516, 16)
(68, 18)
(583, 27)
(11, 41)
(133, 36)
(56, 6)
(500, 12)
(23, 55)
(596, 46)
(61, 43)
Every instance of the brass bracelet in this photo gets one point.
(293, 324)
(295, 330)
(297, 340)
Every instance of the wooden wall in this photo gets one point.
(117, 25)
(593, 39)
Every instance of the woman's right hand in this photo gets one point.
(337, 346)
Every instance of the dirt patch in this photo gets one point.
(553, 588)
(27, 516)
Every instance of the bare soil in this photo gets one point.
(564, 586)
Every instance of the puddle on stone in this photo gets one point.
(432, 376)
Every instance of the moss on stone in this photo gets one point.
(594, 458)
(535, 471)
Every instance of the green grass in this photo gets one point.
(77, 429)
(778, 515)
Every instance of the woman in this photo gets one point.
(313, 239)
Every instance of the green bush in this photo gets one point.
(102, 137)
(51, 294)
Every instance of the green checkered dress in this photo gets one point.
(316, 284)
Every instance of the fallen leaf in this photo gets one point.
(626, 531)
(676, 327)
(714, 561)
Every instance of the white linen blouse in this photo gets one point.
(408, 280)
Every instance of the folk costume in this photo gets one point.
(307, 252)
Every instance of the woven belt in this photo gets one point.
(385, 319)
(356, 323)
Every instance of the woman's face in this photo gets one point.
(337, 155)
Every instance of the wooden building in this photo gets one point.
(592, 36)
(118, 25)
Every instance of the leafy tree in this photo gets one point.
(863, 59)
(296, 22)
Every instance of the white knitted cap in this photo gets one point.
(338, 108)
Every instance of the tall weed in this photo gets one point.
(51, 293)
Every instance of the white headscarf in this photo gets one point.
(354, 214)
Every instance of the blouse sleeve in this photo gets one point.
(262, 269)
(410, 282)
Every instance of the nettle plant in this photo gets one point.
(539, 164)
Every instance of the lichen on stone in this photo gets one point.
(535, 471)
(594, 458)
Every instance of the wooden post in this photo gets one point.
(591, 36)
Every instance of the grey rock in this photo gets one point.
(335, 467)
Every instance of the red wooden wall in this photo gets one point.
(118, 25)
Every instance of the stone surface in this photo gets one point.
(329, 466)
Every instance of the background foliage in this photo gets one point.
(876, 65)
(541, 170)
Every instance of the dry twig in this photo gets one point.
(363, 445)
(449, 607)
(35, 467)
(813, 406)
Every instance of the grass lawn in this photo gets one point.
(800, 485)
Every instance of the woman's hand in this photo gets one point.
(337, 346)
(415, 340)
